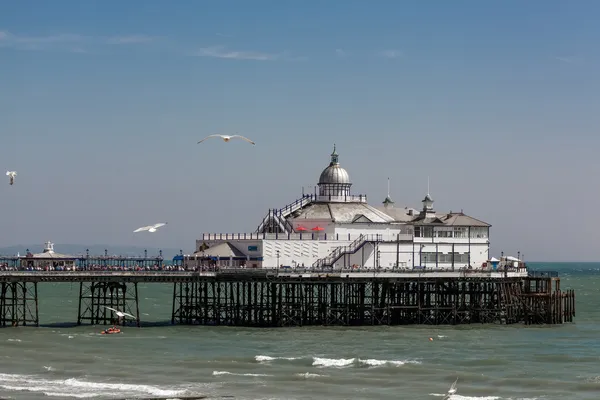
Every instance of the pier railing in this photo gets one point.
(301, 236)
(542, 274)
(351, 198)
(285, 271)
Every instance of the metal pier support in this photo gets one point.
(94, 297)
(18, 304)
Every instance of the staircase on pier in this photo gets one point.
(340, 251)
(276, 219)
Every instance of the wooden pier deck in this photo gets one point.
(275, 298)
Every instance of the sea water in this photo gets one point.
(490, 361)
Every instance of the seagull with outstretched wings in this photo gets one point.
(150, 228)
(227, 138)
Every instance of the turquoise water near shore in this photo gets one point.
(491, 361)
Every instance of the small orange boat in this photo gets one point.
(110, 331)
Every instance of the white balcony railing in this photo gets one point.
(351, 198)
(300, 236)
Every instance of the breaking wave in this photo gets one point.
(339, 362)
(216, 373)
(78, 388)
(346, 362)
(269, 358)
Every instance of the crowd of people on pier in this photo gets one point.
(212, 268)
(100, 267)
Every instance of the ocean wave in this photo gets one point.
(459, 397)
(308, 375)
(73, 387)
(339, 362)
(346, 362)
(216, 373)
(261, 358)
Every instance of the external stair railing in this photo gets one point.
(279, 216)
(351, 248)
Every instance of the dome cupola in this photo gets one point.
(334, 180)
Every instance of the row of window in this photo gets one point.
(476, 232)
(430, 257)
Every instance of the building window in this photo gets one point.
(428, 257)
(461, 258)
(443, 233)
(479, 232)
(461, 232)
(442, 258)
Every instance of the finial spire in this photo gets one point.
(334, 156)
(388, 200)
(428, 184)
(388, 187)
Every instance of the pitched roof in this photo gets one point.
(421, 220)
(224, 249)
(344, 213)
(53, 255)
(461, 219)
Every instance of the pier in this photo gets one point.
(301, 297)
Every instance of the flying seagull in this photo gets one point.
(227, 138)
(11, 175)
(120, 314)
(151, 228)
(451, 391)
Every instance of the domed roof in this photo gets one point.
(334, 174)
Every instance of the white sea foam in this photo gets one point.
(309, 375)
(346, 362)
(332, 362)
(261, 358)
(73, 387)
(14, 340)
(378, 363)
(459, 397)
(216, 373)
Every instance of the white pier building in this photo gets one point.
(334, 228)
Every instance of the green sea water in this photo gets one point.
(490, 361)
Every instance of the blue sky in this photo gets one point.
(102, 103)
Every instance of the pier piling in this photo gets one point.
(18, 304)
(270, 298)
(94, 297)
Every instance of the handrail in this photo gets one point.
(542, 274)
(280, 214)
(301, 236)
(285, 271)
(349, 249)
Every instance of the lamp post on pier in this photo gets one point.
(277, 258)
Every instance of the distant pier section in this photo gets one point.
(277, 297)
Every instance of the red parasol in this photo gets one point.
(301, 228)
(318, 228)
